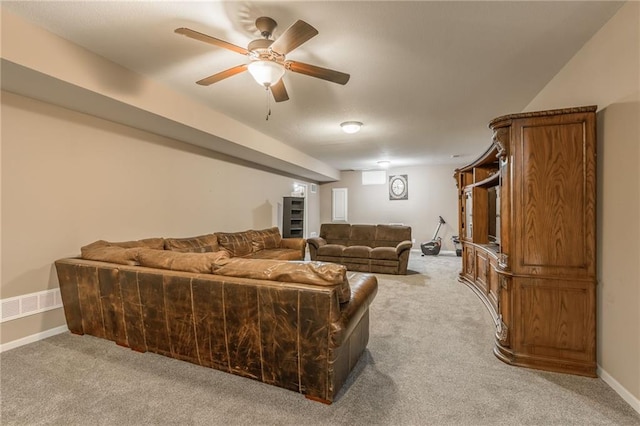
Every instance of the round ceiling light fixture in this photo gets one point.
(384, 163)
(351, 126)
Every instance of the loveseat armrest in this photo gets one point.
(314, 244)
(402, 246)
(402, 250)
(295, 243)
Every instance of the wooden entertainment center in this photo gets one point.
(527, 217)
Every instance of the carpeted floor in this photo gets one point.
(429, 362)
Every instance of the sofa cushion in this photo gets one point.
(277, 254)
(266, 239)
(330, 250)
(123, 253)
(391, 235)
(113, 254)
(200, 244)
(181, 261)
(154, 243)
(357, 251)
(362, 235)
(335, 233)
(316, 273)
(238, 244)
(384, 253)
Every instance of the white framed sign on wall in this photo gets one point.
(399, 187)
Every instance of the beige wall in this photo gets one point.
(44, 66)
(432, 193)
(606, 72)
(69, 179)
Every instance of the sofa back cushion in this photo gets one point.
(335, 233)
(391, 235)
(362, 235)
(124, 253)
(237, 244)
(113, 254)
(201, 263)
(201, 244)
(266, 239)
(316, 273)
(154, 243)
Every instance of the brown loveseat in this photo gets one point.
(297, 325)
(365, 248)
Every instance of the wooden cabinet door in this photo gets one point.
(482, 270)
(468, 262)
(556, 321)
(554, 195)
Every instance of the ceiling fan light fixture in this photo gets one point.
(351, 126)
(266, 73)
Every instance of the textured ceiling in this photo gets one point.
(426, 77)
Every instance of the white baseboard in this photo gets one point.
(620, 390)
(33, 338)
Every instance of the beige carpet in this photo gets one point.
(429, 362)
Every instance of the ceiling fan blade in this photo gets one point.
(293, 37)
(318, 72)
(222, 75)
(211, 40)
(279, 91)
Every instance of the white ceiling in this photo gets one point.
(426, 77)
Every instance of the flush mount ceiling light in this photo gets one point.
(266, 73)
(384, 163)
(351, 126)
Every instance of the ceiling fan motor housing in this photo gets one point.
(266, 26)
(260, 50)
(260, 44)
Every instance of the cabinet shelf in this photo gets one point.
(293, 217)
(490, 181)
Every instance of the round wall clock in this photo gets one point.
(398, 187)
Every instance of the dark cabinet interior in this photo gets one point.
(293, 217)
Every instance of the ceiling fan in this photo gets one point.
(268, 61)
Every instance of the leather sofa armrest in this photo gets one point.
(364, 288)
(314, 244)
(295, 243)
(404, 245)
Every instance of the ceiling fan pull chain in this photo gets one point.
(268, 103)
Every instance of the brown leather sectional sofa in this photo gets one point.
(297, 325)
(365, 248)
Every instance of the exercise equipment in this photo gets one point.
(432, 248)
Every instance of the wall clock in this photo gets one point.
(398, 187)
